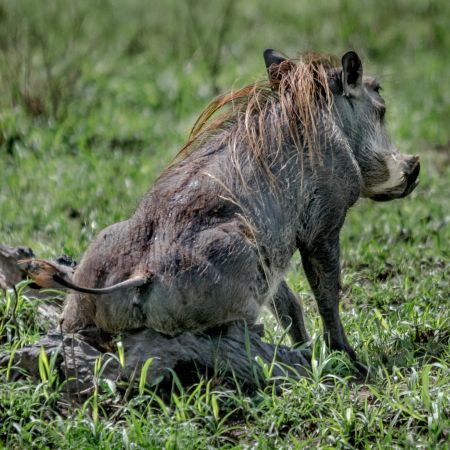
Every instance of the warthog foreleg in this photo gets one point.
(322, 268)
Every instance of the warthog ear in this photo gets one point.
(273, 57)
(352, 73)
(275, 68)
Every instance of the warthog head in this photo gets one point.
(358, 110)
(386, 173)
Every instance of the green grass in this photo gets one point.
(98, 96)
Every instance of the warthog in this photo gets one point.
(269, 169)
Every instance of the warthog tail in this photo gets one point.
(50, 275)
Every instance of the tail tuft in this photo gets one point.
(45, 273)
(49, 275)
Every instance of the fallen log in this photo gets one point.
(235, 351)
(10, 272)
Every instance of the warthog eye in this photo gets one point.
(377, 88)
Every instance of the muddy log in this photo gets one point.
(10, 271)
(235, 351)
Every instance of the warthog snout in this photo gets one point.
(403, 171)
(411, 172)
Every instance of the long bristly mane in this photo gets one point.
(282, 109)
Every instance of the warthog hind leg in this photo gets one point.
(287, 308)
